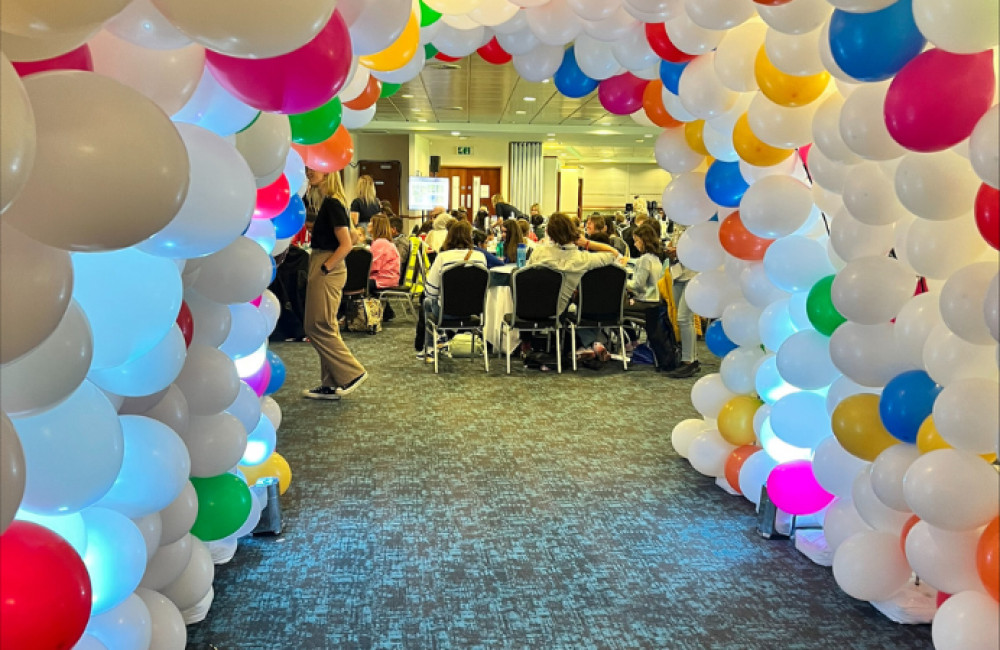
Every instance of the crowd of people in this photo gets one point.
(645, 244)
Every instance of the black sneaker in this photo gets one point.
(321, 392)
(685, 370)
(352, 385)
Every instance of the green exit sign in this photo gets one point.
(463, 151)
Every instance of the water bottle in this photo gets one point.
(500, 248)
(522, 255)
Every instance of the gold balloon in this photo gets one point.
(787, 89)
(736, 420)
(400, 52)
(752, 149)
(928, 439)
(275, 466)
(858, 427)
(693, 135)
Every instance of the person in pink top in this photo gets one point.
(385, 259)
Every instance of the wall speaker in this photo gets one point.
(435, 164)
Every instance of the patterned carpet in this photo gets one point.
(536, 510)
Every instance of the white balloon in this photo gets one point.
(868, 354)
(520, 41)
(797, 17)
(673, 153)
(862, 125)
(17, 149)
(835, 469)
(740, 322)
(938, 186)
(352, 119)
(781, 126)
(216, 443)
(984, 145)
(195, 579)
(916, 320)
(612, 29)
(872, 290)
(212, 320)
(719, 14)
(709, 395)
(493, 12)
(460, 42)
(962, 298)
(875, 513)
(539, 64)
(952, 489)
(959, 27)
(407, 72)
(735, 54)
(265, 144)
(708, 453)
(966, 620)
(737, 369)
(595, 58)
(684, 433)
(841, 521)
(168, 629)
(685, 199)
(177, 518)
(804, 361)
(689, 37)
(886, 475)
(699, 249)
(237, 273)
(853, 240)
(870, 197)
(965, 414)
(991, 308)
(374, 26)
(700, 90)
(554, 23)
(870, 565)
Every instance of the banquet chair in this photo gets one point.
(536, 306)
(601, 304)
(407, 294)
(463, 305)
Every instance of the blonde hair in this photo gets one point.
(497, 198)
(334, 188)
(366, 189)
(379, 228)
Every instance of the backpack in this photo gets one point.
(662, 339)
(364, 315)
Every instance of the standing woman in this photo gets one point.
(340, 372)
(366, 205)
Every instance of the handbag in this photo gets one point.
(364, 315)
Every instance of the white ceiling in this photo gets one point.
(479, 100)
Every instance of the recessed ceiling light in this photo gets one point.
(545, 81)
(406, 96)
(453, 108)
(551, 135)
(421, 120)
(416, 110)
(606, 122)
(647, 135)
(552, 139)
(529, 99)
(562, 153)
(456, 133)
(520, 113)
(464, 137)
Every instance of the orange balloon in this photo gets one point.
(652, 103)
(693, 135)
(752, 149)
(735, 462)
(787, 89)
(331, 155)
(740, 242)
(988, 558)
(367, 97)
(907, 527)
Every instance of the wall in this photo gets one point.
(550, 181)
(568, 183)
(378, 146)
(610, 186)
(486, 153)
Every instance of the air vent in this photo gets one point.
(445, 66)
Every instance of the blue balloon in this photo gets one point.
(115, 557)
(570, 80)
(906, 402)
(274, 269)
(724, 183)
(260, 443)
(670, 75)
(717, 341)
(277, 373)
(875, 46)
(290, 221)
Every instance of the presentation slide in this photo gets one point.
(428, 193)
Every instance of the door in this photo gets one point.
(473, 188)
(387, 175)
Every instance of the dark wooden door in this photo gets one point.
(387, 175)
(489, 184)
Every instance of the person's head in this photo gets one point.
(435, 212)
(641, 218)
(656, 226)
(600, 238)
(380, 228)
(425, 228)
(386, 208)
(512, 236)
(479, 238)
(647, 240)
(595, 224)
(525, 227)
(332, 187)
(366, 189)
(497, 198)
(459, 236)
(442, 220)
(396, 223)
(619, 218)
(537, 220)
(561, 229)
(534, 209)
(315, 176)
(463, 214)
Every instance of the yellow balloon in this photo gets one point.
(735, 420)
(752, 149)
(400, 52)
(858, 427)
(787, 89)
(928, 439)
(693, 134)
(275, 466)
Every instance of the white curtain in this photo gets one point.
(525, 174)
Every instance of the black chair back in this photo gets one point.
(359, 266)
(463, 291)
(536, 293)
(602, 294)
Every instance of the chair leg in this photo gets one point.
(572, 338)
(558, 352)
(486, 354)
(621, 340)
(434, 348)
(505, 339)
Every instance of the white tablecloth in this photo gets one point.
(499, 301)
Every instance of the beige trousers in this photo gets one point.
(337, 365)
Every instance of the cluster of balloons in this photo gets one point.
(142, 201)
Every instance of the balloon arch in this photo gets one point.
(848, 149)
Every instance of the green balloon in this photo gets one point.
(318, 124)
(389, 89)
(223, 506)
(427, 15)
(430, 51)
(252, 122)
(819, 307)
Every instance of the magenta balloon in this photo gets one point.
(259, 380)
(936, 100)
(296, 82)
(793, 487)
(622, 94)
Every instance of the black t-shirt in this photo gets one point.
(331, 216)
(506, 211)
(365, 210)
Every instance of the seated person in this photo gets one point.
(527, 233)
(480, 239)
(401, 242)
(512, 235)
(538, 225)
(385, 259)
(457, 248)
(648, 268)
(439, 231)
(596, 223)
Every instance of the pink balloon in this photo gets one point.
(272, 199)
(622, 94)
(936, 100)
(78, 59)
(296, 82)
(793, 487)
(259, 380)
(256, 301)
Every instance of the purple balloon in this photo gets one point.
(793, 487)
(622, 94)
(296, 82)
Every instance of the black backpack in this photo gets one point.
(662, 340)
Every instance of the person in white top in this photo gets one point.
(435, 238)
(457, 248)
(685, 317)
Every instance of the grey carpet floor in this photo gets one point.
(469, 510)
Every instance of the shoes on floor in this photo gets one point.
(685, 370)
(601, 352)
(352, 385)
(427, 356)
(321, 392)
(582, 354)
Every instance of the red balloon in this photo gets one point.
(441, 56)
(272, 199)
(78, 59)
(493, 53)
(656, 35)
(622, 93)
(44, 589)
(935, 101)
(735, 462)
(941, 597)
(331, 155)
(804, 154)
(186, 322)
(740, 242)
(988, 214)
(296, 82)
